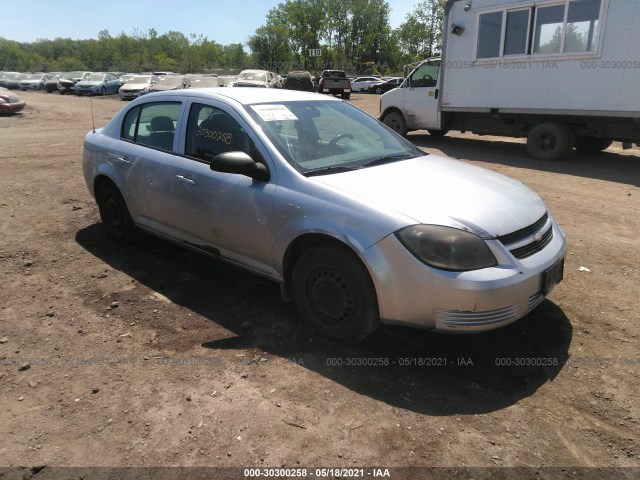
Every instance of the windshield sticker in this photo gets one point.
(274, 113)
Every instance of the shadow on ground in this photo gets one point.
(406, 368)
(607, 165)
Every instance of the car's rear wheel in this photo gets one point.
(115, 214)
(592, 144)
(548, 141)
(395, 121)
(103, 91)
(334, 294)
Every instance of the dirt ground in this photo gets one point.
(150, 355)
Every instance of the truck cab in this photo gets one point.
(414, 105)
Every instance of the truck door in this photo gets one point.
(421, 97)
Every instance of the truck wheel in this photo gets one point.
(592, 144)
(395, 121)
(334, 294)
(548, 141)
(346, 96)
(438, 133)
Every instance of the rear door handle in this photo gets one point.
(186, 180)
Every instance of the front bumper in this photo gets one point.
(414, 294)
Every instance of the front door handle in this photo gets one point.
(123, 160)
(186, 180)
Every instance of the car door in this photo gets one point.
(143, 161)
(111, 83)
(421, 97)
(224, 214)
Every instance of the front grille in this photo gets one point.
(534, 301)
(534, 247)
(526, 233)
(469, 319)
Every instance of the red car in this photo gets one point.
(10, 102)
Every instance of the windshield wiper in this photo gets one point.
(387, 159)
(329, 170)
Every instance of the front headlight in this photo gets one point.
(447, 248)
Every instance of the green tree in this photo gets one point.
(420, 34)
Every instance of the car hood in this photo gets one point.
(135, 86)
(437, 190)
(251, 83)
(163, 88)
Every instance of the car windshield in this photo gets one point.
(258, 76)
(322, 137)
(205, 82)
(33, 76)
(74, 75)
(140, 79)
(95, 77)
(171, 81)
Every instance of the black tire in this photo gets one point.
(103, 91)
(395, 121)
(592, 144)
(378, 90)
(346, 96)
(438, 133)
(334, 294)
(548, 141)
(115, 215)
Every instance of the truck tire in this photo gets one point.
(438, 133)
(395, 121)
(592, 144)
(346, 96)
(548, 141)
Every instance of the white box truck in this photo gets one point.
(562, 73)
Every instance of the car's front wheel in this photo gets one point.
(334, 294)
(114, 214)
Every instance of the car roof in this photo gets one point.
(248, 96)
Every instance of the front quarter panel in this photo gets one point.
(302, 206)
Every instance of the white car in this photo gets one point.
(34, 81)
(362, 84)
(257, 78)
(137, 86)
(357, 225)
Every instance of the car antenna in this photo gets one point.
(93, 122)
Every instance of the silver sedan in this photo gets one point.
(357, 225)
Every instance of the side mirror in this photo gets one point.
(241, 164)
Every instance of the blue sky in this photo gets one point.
(228, 21)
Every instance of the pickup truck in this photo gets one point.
(335, 82)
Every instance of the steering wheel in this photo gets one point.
(337, 138)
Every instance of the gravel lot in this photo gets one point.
(149, 355)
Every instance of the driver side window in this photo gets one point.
(426, 75)
(211, 131)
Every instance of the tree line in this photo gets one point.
(352, 35)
